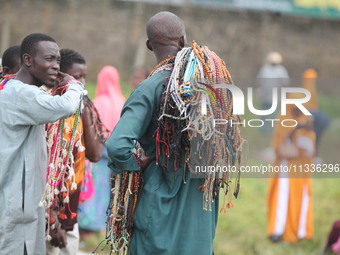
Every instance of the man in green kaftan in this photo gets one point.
(169, 218)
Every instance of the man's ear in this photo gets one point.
(181, 42)
(5, 70)
(148, 45)
(27, 58)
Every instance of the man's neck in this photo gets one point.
(164, 54)
(25, 77)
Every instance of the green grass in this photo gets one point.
(242, 230)
(330, 104)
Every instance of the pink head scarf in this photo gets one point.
(109, 99)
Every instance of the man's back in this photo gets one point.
(169, 218)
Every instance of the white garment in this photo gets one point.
(269, 77)
(23, 162)
(72, 246)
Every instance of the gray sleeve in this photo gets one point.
(35, 107)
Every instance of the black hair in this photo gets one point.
(10, 56)
(68, 57)
(28, 45)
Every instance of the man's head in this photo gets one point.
(11, 60)
(40, 59)
(73, 64)
(166, 33)
(274, 58)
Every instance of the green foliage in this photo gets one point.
(91, 88)
(330, 105)
(125, 87)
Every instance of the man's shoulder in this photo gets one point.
(18, 91)
(14, 82)
(12, 88)
(150, 89)
(19, 85)
(153, 82)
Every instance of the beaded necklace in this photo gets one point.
(126, 188)
(164, 65)
(5, 79)
(195, 73)
(60, 176)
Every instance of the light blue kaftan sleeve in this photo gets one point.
(35, 107)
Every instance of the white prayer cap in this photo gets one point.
(274, 58)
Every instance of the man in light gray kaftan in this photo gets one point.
(24, 108)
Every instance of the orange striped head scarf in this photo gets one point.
(309, 79)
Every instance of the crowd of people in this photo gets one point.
(59, 150)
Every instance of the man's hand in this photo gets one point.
(145, 161)
(58, 236)
(62, 78)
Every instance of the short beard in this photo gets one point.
(50, 86)
(39, 83)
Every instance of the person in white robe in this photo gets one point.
(24, 109)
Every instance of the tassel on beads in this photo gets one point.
(121, 209)
(63, 189)
(62, 216)
(73, 215)
(66, 199)
(74, 186)
(126, 188)
(62, 139)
